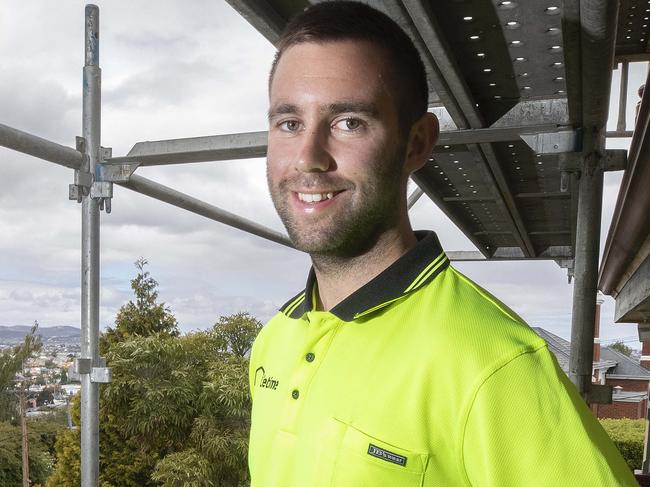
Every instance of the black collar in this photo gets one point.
(414, 269)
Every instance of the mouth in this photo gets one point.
(315, 200)
(315, 197)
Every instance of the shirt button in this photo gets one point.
(310, 357)
(295, 394)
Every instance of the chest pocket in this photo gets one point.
(366, 461)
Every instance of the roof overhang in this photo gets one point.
(625, 268)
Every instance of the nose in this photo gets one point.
(313, 154)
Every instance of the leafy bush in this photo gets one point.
(177, 412)
(627, 435)
(41, 450)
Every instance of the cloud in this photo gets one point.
(178, 69)
(38, 105)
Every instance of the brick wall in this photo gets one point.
(629, 384)
(617, 410)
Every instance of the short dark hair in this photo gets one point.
(345, 20)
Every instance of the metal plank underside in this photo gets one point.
(632, 31)
(268, 18)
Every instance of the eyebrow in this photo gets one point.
(354, 107)
(282, 109)
(333, 109)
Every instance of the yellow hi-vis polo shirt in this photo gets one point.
(418, 379)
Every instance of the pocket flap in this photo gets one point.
(362, 449)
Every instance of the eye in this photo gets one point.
(348, 124)
(290, 125)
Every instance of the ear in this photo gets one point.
(422, 138)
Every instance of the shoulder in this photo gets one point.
(462, 300)
(470, 324)
(468, 298)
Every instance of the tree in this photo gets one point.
(11, 362)
(67, 447)
(188, 405)
(621, 347)
(177, 411)
(143, 317)
(68, 454)
(64, 376)
(41, 451)
(238, 331)
(45, 397)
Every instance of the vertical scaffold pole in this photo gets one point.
(590, 195)
(622, 98)
(90, 255)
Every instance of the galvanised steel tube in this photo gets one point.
(38, 147)
(590, 196)
(414, 197)
(168, 195)
(598, 21)
(90, 254)
(622, 97)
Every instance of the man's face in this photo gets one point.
(335, 153)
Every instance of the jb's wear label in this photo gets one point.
(419, 379)
(375, 451)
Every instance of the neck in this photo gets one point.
(339, 277)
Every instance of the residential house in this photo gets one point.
(629, 379)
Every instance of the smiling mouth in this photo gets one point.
(316, 197)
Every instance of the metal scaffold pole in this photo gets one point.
(590, 193)
(90, 254)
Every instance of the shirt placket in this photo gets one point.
(321, 329)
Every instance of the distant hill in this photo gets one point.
(10, 335)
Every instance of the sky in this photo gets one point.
(173, 69)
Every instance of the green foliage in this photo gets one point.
(11, 362)
(46, 396)
(186, 468)
(177, 412)
(67, 470)
(44, 430)
(627, 435)
(67, 467)
(143, 317)
(41, 434)
(157, 388)
(10, 455)
(621, 347)
(188, 405)
(238, 331)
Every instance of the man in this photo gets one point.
(391, 368)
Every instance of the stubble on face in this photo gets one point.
(354, 229)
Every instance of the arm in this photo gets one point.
(527, 426)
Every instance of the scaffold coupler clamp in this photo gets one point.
(83, 180)
(98, 372)
(89, 184)
(102, 189)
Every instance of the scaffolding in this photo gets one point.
(567, 131)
